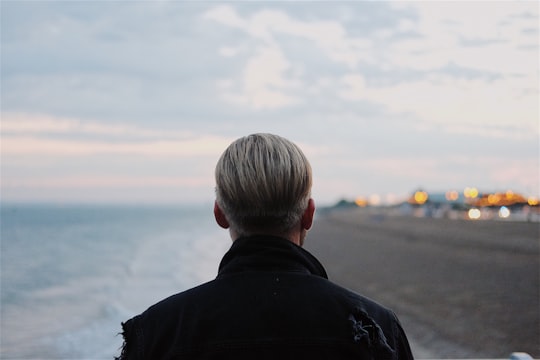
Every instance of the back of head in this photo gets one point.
(263, 183)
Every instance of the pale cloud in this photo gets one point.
(354, 87)
(269, 75)
(330, 36)
(228, 51)
(24, 134)
(485, 36)
(84, 152)
(498, 46)
(103, 188)
(108, 181)
(521, 173)
(24, 145)
(225, 15)
(369, 90)
(433, 174)
(265, 83)
(455, 104)
(23, 123)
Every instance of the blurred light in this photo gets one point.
(452, 195)
(375, 199)
(474, 214)
(504, 212)
(532, 201)
(493, 199)
(361, 201)
(420, 197)
(470, 193)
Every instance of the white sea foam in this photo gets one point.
(97, 268)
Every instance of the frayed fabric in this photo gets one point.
(123, 349)
(127, 351)
(366, 330)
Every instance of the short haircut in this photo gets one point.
(263, 182)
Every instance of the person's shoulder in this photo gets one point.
(368, 311)
(362, 302)
(160, 320)
(182, 298)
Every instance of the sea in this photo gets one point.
(70, 274)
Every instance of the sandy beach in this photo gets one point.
(462, 289)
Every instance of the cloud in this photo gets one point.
(365, 88)
(457, 105)
(267, 25)
(266, 88)
(24, 134)
(104, 188)
(484, 36)
(228, 51)
(269, 76)
(430, 56)
(22, 145)
(27, 123)
(108, 181)
(226, 15)
(23, 123)
(47, 158)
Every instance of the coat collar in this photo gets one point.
(268, 253)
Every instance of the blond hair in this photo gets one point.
(263, 183)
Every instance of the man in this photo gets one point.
(271, 298)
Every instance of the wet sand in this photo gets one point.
(462, 289)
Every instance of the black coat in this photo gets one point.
(270, 300)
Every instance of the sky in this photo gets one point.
(134, 101)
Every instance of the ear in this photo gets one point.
(307, 217)
(220, 216)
